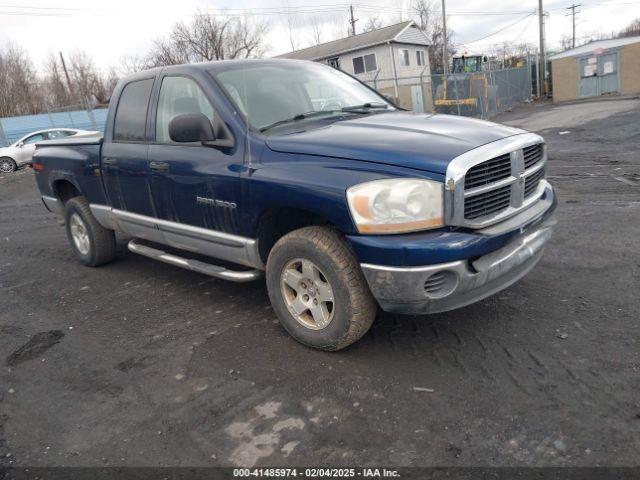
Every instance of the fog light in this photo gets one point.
(441, 284)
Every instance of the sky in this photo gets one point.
(108, 30)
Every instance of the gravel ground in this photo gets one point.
(139, 363)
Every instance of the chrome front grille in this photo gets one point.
(488, 172)
(495, 181)
(532, 155)
(487, 203)
(532, 181)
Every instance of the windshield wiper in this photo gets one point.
(366, 107)
(297, 118)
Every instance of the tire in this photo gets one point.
(335, 274)
(7, 165)
(98, 245)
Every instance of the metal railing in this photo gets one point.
(80, 116)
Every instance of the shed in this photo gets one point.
(603, 67)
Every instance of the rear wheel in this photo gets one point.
(317, 289)
(7, 165)
(92, 243)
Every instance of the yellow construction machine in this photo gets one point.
(467, 87)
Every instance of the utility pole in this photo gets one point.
(352, 21)
(573, 14)
(541, 70)
(445, 54)
(66, 74)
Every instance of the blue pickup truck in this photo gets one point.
(302, 174)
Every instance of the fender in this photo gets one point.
(316, 185)
(57, 176)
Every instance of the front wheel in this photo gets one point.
(7, 165)
(92, 243)
(317, 289)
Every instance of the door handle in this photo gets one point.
(159, 166)
(109, 161)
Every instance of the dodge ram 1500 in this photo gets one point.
(301, 173)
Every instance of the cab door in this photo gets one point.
(124, 162)
(193, 185)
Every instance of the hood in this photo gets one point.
(412, 140)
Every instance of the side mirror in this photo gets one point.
(193, 127)
(21, 144)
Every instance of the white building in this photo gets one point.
(392, 59)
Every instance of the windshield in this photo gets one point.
(466, 64)
(273, 94)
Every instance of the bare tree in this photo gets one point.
(166, 52)
(632, 29)
(205, 38)
(340, 27)
(133, 63)
(428, 15)
(399, 6)
(110, 82)
(424, 13)
(24, 92)
(291, 23)
(55, 84)
(20, 92)
(373, 23)
(88, 84)
(316, 25)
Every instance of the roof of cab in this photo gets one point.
(210, 66)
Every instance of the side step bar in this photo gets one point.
(194, 265)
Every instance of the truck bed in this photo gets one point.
(71, 141)
(70, 162)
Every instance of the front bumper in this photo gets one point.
(446, 286)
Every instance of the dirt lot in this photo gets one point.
(139, 363)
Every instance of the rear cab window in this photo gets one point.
(131, 113)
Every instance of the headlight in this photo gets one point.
(396, 205)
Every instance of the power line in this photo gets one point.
(30, 10)
(573, 15)
(33, 10)
(500, 30)
(524, 30)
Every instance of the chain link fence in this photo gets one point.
(479, 94)
(81, 116)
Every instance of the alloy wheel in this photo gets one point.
(79, 234)
(307, 294)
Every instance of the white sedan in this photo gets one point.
(20, 152)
